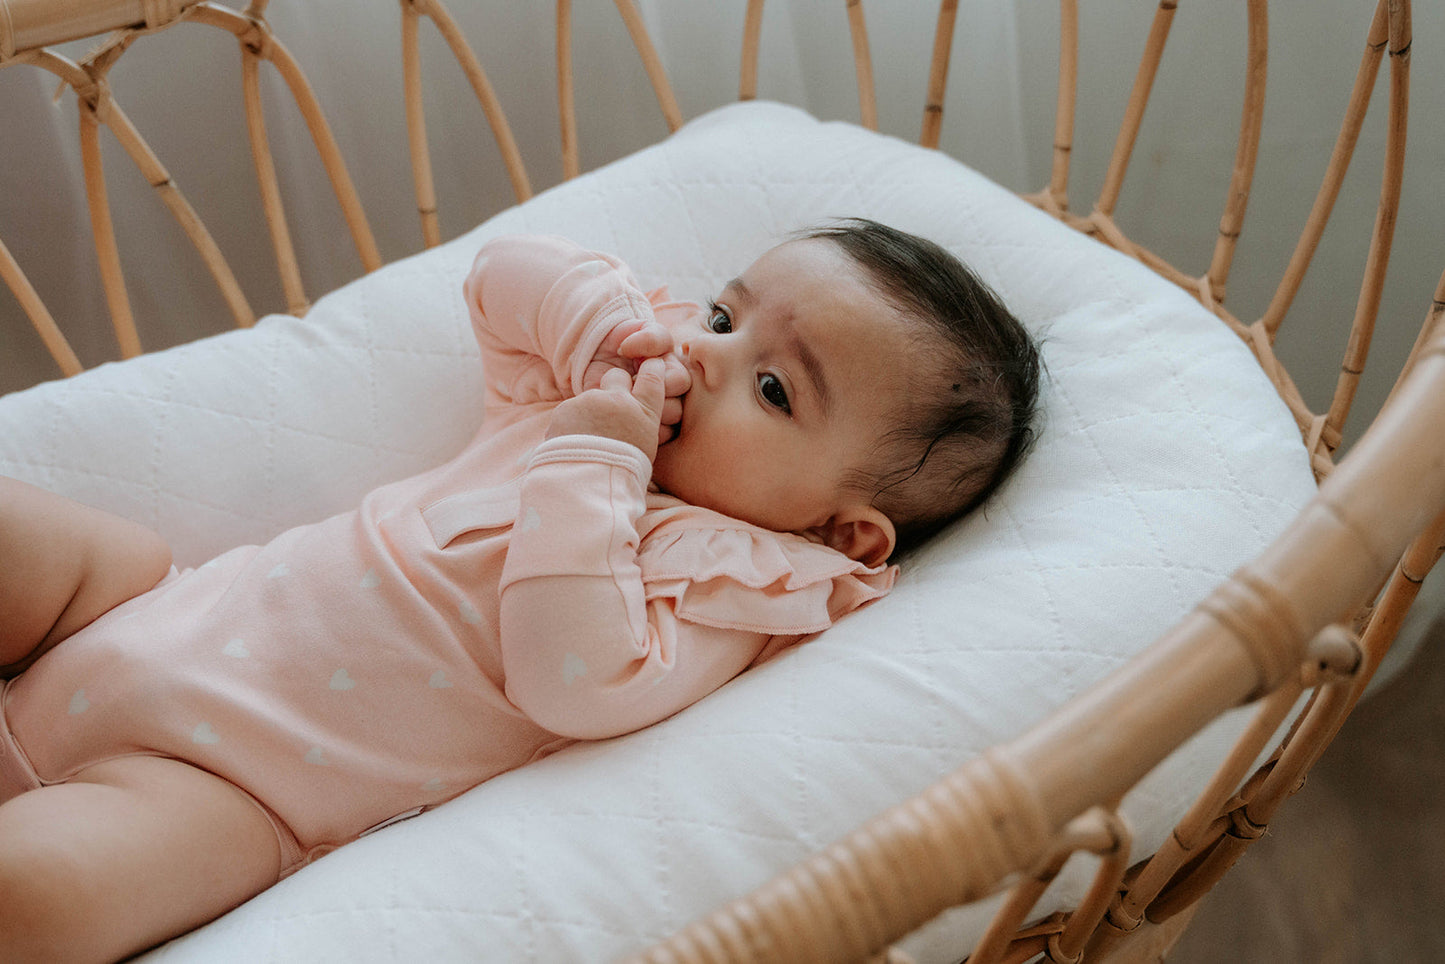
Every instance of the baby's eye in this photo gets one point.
(718, 320)
(773, 392)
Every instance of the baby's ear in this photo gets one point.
(861, 533)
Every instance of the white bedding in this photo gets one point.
(1155, 476)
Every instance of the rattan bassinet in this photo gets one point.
(1317, 611)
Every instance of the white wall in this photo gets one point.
(185, 99)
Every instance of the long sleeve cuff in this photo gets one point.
(581, 498)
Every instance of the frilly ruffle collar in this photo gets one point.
(721, 572)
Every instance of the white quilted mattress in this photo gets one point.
(1165, 461)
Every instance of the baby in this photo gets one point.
(662, 495)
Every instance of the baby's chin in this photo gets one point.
(671, 474)
(664, 467)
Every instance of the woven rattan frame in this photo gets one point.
(1318, 610)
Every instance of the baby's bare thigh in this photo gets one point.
(129, 853)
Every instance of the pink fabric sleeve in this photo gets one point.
(540, 307)
(586, 654)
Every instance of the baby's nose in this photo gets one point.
(694, 354)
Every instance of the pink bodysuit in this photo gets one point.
(460, 623)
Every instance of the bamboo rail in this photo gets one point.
(412, 11)
(566, 95)
(1315, 613)
(33, 24)
(862, 58)
(1334, 175)
(28, 25)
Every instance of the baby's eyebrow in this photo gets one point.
(814, 368)
(741, 287)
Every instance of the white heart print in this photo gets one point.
(317, 757)
(78, 703)
(204, 735)
(371, 580)
(341, 680)
(439, 680)
(573, 668)
(236, 649)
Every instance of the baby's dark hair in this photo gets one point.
(952, 448)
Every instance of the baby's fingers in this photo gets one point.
(649, 387)
(676, 378)
(617, 337)
(615, 380)
(649, 341)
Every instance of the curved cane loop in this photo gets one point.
(752, 40)
(863, 66)
(98, 107)
(257, 39)
(1427, 331)
(258, 43)
(1054, 196)
(1204, 291)
(1067, 947)
(862, 62)
(1373, 286)
(266, 180)
(567, 92)
(160, 179)
(1215, 833)
(651, 63)
(1134, 112)
(1251, 124)
(95, 109)
(40, 318)
(1102, 225)
(1197, 831)
(71, 75)
(1258, 340)
(423, 183)
(938, 74)
(1339, 164)
(1058, 189)
(1315, 436)
(1060, 937)
(482, 89)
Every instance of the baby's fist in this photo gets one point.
(621, 407)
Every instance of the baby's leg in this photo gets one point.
(128, 854)
(62, 564)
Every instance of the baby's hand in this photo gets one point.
(626, 346)
(627, 409)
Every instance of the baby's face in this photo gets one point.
(796, 372)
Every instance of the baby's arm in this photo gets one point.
(585, 653)
(62, 564)
(551, 317)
